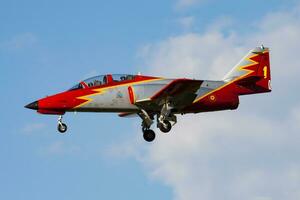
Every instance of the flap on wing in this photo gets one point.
(178, 87)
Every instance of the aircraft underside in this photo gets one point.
(164, 118)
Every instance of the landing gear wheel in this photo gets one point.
(149, 135)
(62, 128)
(165, 127)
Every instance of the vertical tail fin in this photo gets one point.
(252, 74)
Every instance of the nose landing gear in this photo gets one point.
(61, 127)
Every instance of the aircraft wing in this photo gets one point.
(128, 114)
(181, 92)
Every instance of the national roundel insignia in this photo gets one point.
(212, 97)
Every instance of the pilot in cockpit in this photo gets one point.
(97, 82)
(104, 80)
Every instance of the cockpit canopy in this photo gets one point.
(103, 80)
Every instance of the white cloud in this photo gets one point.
(229, 156)
(209, 55)
(296, 117)
(249, 154)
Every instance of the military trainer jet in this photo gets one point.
(160, 99)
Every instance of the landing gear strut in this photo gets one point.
(61, 127)
(148, 134)
(165, 118)
(165, 121)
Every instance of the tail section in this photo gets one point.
(252, 74)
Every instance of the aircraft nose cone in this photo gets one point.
(33, 105)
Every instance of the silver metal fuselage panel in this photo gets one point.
(116, 99)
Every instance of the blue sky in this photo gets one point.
(47, 46)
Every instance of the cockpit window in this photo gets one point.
(95, 81)
(122, 77)
(76, 87)
(104, 79)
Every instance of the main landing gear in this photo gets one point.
(164, 126)
(61, 127)
(164, 120)
(149, 135)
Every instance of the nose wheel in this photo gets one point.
(61, 127)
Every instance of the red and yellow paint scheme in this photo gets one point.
(150, 97)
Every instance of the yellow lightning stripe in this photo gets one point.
(241, 77)
(104, 89)
(87, 98)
